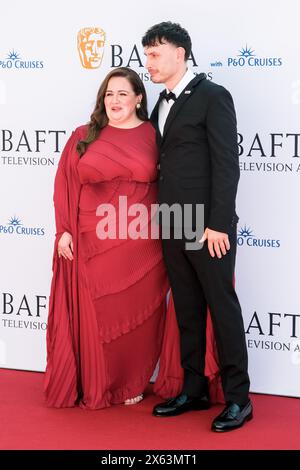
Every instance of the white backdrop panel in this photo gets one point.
(234, 44)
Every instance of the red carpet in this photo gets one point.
(27, 424)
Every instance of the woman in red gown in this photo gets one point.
(108, 324)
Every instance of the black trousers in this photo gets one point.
(198, 281)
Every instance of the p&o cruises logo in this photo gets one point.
(15, 226)
(15, 61)
(248, 58)
(246, 237)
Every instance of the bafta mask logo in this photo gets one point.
(90, 45)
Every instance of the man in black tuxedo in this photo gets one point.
(197, 138)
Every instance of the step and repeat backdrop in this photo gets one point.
(53, 57)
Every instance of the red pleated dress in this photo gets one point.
(108, 324)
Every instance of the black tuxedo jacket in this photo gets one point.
(199, 152)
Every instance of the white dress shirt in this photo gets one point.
(165, 106)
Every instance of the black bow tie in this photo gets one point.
(168, 96)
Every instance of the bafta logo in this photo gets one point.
(90, 45)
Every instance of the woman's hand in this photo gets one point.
(65, 246)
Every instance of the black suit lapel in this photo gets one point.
(182, 98)
(154, 118)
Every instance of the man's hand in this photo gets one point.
(65, 246)
(217, 242)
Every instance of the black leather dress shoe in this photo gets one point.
(181, 404)
(232, 417)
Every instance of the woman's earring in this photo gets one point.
(138, 106)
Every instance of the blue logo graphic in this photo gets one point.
(245, 237)
(14, 226)
(14, 221)
(247, 58)
(13, 55)
(246, 52)
(13, 60)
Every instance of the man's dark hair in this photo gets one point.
(168, 32)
